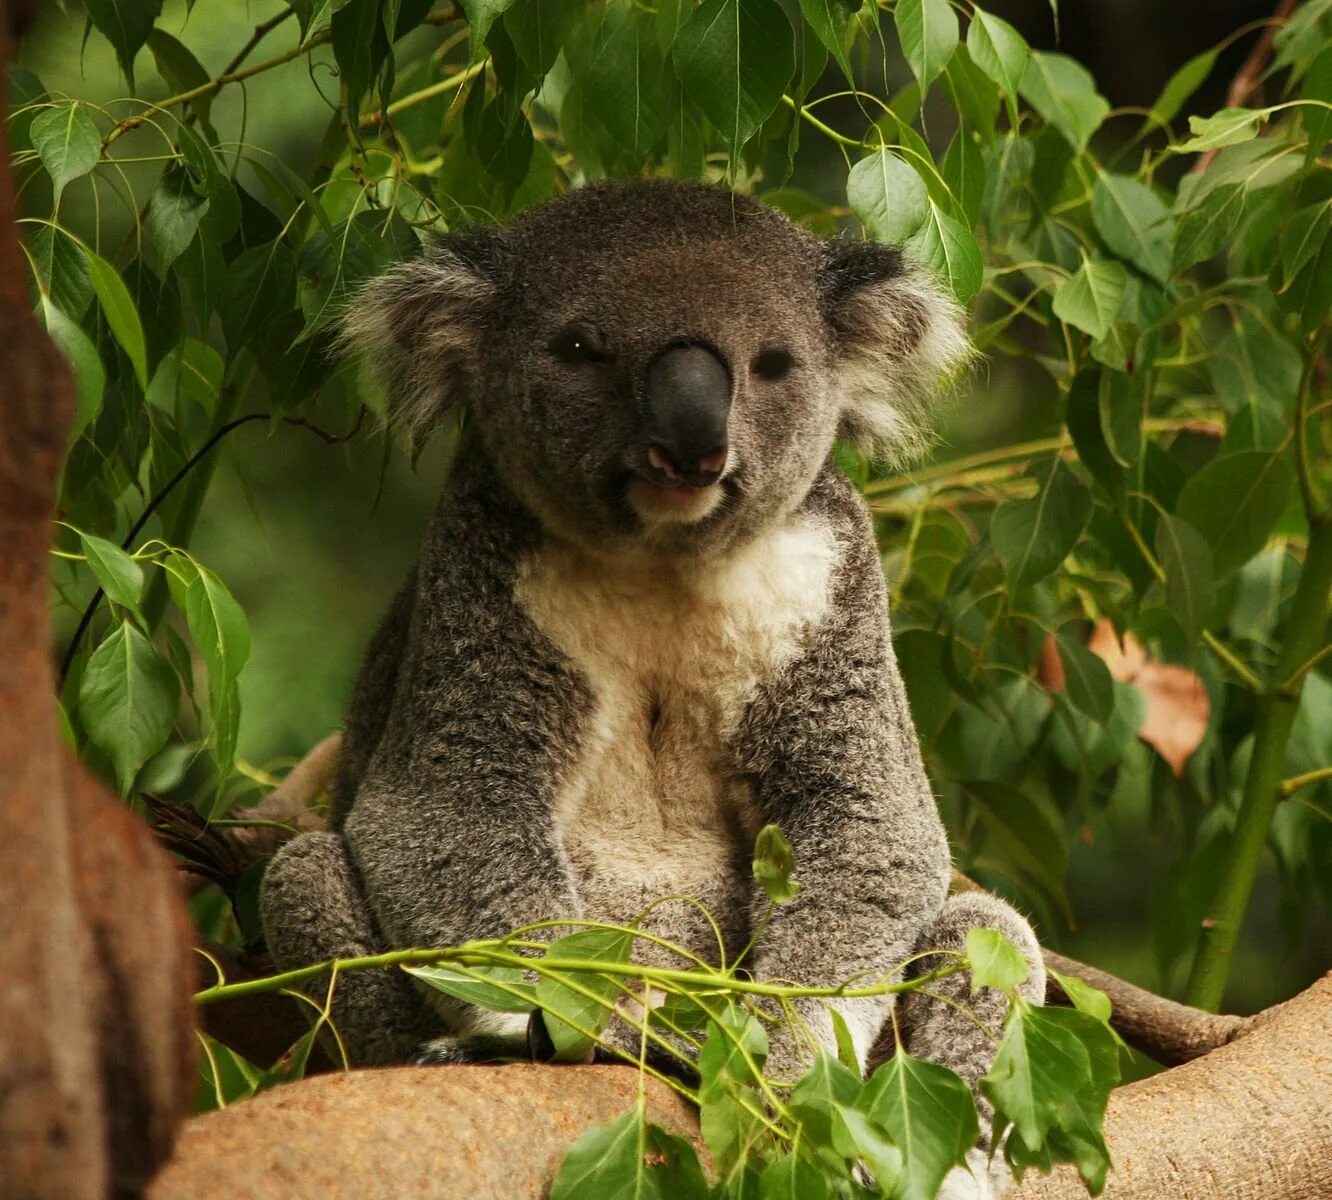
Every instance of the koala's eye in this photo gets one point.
(578, 348)
(772, 364)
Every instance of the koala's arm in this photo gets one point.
(832, 747)
(452, 829)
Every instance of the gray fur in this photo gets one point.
(573, 688)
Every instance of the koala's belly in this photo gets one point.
(656, 810)
(655, 806)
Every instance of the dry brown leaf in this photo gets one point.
(1178, 708)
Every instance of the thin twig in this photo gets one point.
(331, 439)
(1249, 77)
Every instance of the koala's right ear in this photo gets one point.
(420, 327)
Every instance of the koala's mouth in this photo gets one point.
(656, 503)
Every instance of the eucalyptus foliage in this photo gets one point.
(1171, 278)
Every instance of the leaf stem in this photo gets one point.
(490, 953)
(215, 85)
(1292, 785)
(443, 86)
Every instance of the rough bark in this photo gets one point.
(1249, 1121)
(96, 1037)
(486, 1133)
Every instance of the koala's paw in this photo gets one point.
(455, 1051)
(982, 1178)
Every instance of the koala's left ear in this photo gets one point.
(896, 340)
(420, 327)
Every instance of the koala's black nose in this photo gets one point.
(688, 401)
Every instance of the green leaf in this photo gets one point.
(1226, 128)
(61, 270)
(630, 1159)
(963, 170)
(126, 25)
(1032, 537)
(537, 28)
(1120, 410)
(829, 19)
(121, 315)
(331, 266)
(1024, 833)
(1206, 229)
(484, 990)
(855, 1137)
(89, 375)
(1085, 998)
(1134, 223)
(259, 286)
(735, 58)
(120, 576)
(1303, 238)
(829, 1080)
(1064, 93)
(1086, 679)
(928, 32)
(793, 1178)
(1250, 368)
(1309, 293)
(623, 75)
(735, 1040)
(1180, 86)
(995, 961)
(564, 1007)
(174, 213)
(973, 94)
(183, 73)
(191, 371)
(1051, 1079)
(1092, 297)
(948, 249)
(888, 196)
(1235, 502)
(1187, 561)
(127, 701)
(1317, 116)
(928, 1113)
(222, 634)
(1000, 51)
(774, 865)
(67, 141)
(481, 15)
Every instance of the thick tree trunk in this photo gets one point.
(96, 1040)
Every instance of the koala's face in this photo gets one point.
(663, 367)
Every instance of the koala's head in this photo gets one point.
(659, 365)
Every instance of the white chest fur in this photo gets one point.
(655, 805)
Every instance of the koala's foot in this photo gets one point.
(494, 1038)
(313, 910)
(983, 1178)
(946, 1024)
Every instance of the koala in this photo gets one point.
(648, 618)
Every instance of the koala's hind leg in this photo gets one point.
(313, 910)
(961, 1031)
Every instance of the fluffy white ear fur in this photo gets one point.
(418, 327)
(901, 341)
